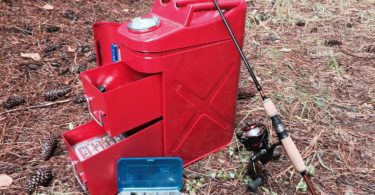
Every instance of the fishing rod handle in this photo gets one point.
(270, 108)
(293, 154)
(287, 142)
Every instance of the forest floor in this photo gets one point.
(315, 59)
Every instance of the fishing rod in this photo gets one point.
(270, 108)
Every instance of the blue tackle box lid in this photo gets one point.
(151, 174)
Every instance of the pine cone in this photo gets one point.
(301, 23)
(91, 58)
(81, 68)
(41, 177)
(49, 144)
(57, 93)
(52, 29)
(245, 93)
(80, 98)
(71, 15)
(13, 101)
(84, 49)
(332, 42)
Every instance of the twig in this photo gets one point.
(19, 156)
(199, 188)
(248, 113)
(202, 174)
(23, 124)
(305, 154)
(3, 134)
(356, 55)
(37, 106)
(322, 163)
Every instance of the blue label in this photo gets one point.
(115, 52)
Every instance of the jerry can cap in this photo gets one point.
(144, 24)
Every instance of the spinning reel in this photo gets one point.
(255, 138)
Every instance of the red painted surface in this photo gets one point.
(99, 171)
(185, 72)
(131, 98)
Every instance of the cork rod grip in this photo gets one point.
(270, 108)
(293, 154)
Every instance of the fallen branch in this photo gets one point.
(248, 113)
(282, 172)
(36, 106)
(307, 152)
(357, 55)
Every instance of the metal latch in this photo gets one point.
(100, 120)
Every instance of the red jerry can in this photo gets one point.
(166, 82)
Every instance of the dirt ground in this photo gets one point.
(316, 59)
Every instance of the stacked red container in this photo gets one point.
(172, 90)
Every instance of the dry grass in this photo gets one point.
(325, 93)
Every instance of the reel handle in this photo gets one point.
(254, 185)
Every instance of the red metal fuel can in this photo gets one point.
(166, 81)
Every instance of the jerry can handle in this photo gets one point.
(203, 6)
(100, 120)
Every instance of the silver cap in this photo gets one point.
(143, 24)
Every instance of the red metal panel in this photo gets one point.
(185, 71)
(212, 94)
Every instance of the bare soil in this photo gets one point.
(315, 59)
